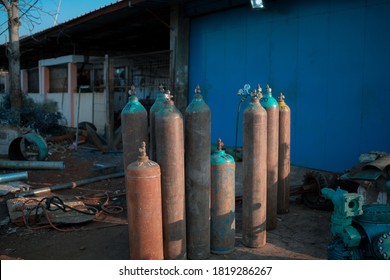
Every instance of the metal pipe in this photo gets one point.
(10, 177)
(78, 116)
(71, 185)
(18, 164)
(15, 151)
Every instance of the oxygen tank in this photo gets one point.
(254, 201)
(157, 105)
(223, 222)
(284, 156)
(197, 172)
(271, 106)
(143, 181)
(134, 121)
(170, 157)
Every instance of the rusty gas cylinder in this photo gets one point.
(197, 160)
(223, 222)
(284, 156)
(143, 180)
(170, 157)
(134, 122)
(271, 106)
(254, 200)
(157, 105)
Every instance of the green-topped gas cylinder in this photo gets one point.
(271, 106)
(267, 100)
(157, 105)
(197, 166)
(222, 201)
(254, 166)
(134, 121)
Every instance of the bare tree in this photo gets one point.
(16, 9)
(13, 54)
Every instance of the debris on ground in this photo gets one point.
(13, 187)
(38, 212)
(370, 178)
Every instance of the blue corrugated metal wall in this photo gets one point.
(330, 58)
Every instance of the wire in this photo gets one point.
(110, 209)
(105, 207)
(47, 205)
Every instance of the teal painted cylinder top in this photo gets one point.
(168, 108)
(219, 157)
(158, 103)
(133, 106)
(267, 100)
(197, 104)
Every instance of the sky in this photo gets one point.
(45, 18)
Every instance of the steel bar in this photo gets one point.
(20, 164)
(10, 177)
(71, 185)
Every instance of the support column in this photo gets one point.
(72, 89)
(44, 81)
(109, 93)
(179, 46)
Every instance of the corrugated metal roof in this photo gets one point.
(122, 27)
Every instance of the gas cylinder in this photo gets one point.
(134, 119)
(170, 157)
(271, 106)
(284, 156)
(143, 181)
(254, 166)
(157, 105)
(223, 222)
(197, 172)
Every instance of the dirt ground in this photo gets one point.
(302, 234)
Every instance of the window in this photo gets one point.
(33, 80)
(58, 79)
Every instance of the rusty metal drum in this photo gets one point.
(254, 200)
(143, 181)
(223, 222)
